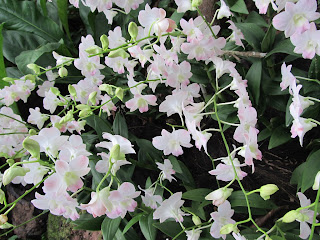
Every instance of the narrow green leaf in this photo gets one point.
(256, 18)
(289, 117)
(310, 171)
(63, 15)
(237, 199)
(284, 46)
(133, 221)
(314, 70)
(43, 4)
(120, 126)
(88, 222)
(24, 16)
(182, 172)
(279, 136)
(238, 6)
(268, 39)
(177, 17)
(109, 227)
(254, 79)
(146, 225)
(2, 66)
(31, 56)
(196, 194)
(99, 124)
(148, 154)
(296, 175)
(253, 34)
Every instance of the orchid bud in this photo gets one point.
(83, 107)
(316, 182)
(85, 113)
(118, 53)
(13, 172)
(116, 154)
(196, 220)
(119, 93)
(2, 196)
(34, 67)
(30, 77)
(267, 190)
(107, 88)
(3, 219)
(72, 91)
(32, 147)
(104, 42)
(133, 30)
(10, 162)
(55, 91)
(290, 216)
(92, 97)
(32, 132)
(196, 3)
(226, 229)
(63, 72)
(219, 196)
(67, 118)
(9, 79)
(94, 50)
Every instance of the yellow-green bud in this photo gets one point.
(3, 219)
(118, 53)
(34, 67)
(133, 30)
(107, 88)
(63, 72)
(2, 196)
(9, 79)
(116, 154)
(92, 97)
(290, 216)
(226, 229)
(32, 132)
(104, 42)
(196, 3)
(72, 91)
(267, 190)
(10, 162)
(30, 77)
(55, 91)
(32, 147)
(93, 50)
(119, 93)
(196, 220)
(67, 118)
(13, 172)
(85, 113)
(83, 107)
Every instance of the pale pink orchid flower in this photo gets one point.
(172, 143)
(288, 80)
(224, 11)
(306, 216)
(296, 17)
(149, 199)
(128, 5)
(193, 234)
(170, 208)
(166, 170)
(36, 117)
(184, 5)
(179, 74)
(125, 144)
(103, 165)
(263, 5)
(219, 196)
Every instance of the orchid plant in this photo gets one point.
(165, 64)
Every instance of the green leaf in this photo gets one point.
(253, 34)
(314, 69)
(31, 56)
(99, 124)
(15, 42)
(182, 172)
(87, 17)
(148, 154)
(177, 17)
(133, 221)
(2, 66)
(279, 136)
(120, 126)
(63, 15)
(256, 18)
(196, 194)
(43, 4)
(24, 16)
(254, 79)
(96, 176)
(289, 117)
(268, 39)
(170, 228)
(296, 175)
(311, 169)
(238, 6)
(264, 134)
(199, 75)
(237, 199)
(109, 227)
(147, 228)
(88, 222)
(284, 46)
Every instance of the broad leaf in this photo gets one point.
(268, 39)
(279, 136)
(182, 172)
(120, 126)
(88, 222)
(196, 194)
(310, 171)
(63, 15)
(31, 56)
(253, 34)
(238, 6)
(254, 79)
(284, 46)
(133, 221)
(99, 124)
(2, 66)
(237, 199)
(148, 154)
(24, 16)
(146, 225)
(109, 227)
